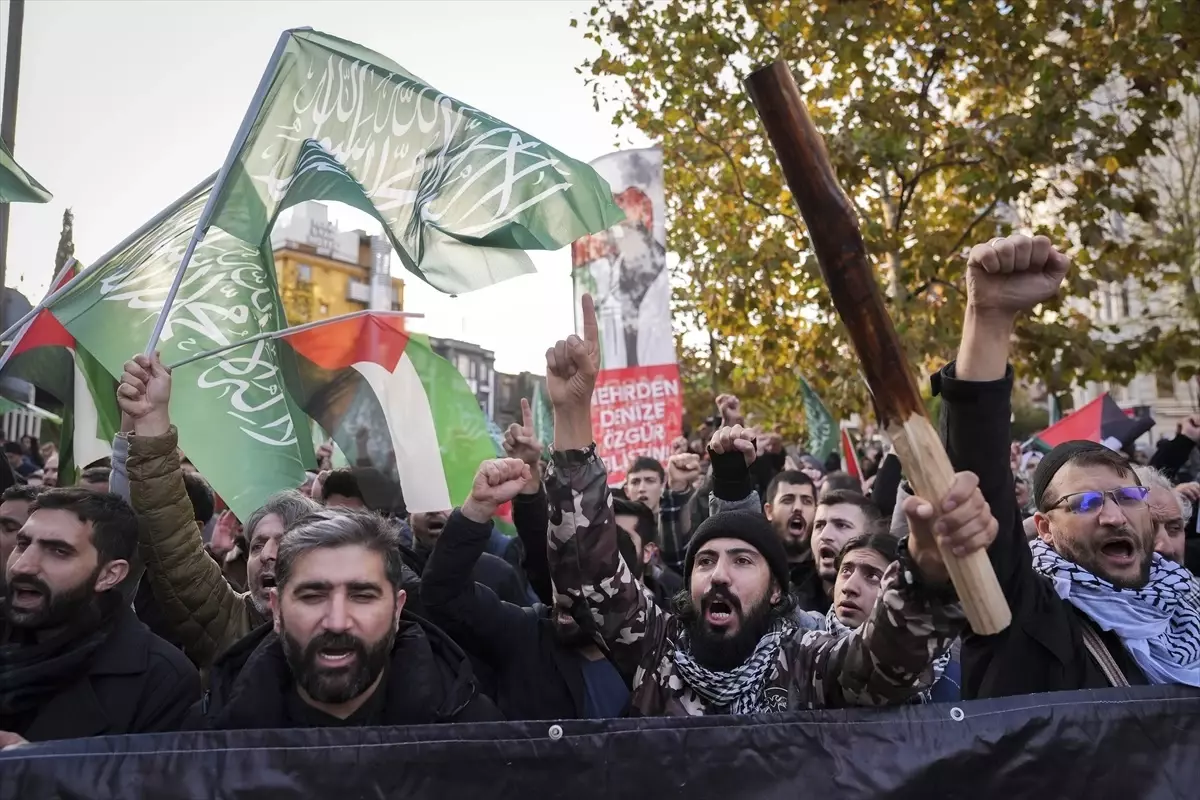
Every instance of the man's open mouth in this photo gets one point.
(796, 526)
(827, 552)
(1121, 550)
(267, 580)
(335, 657)
(719, 612)
(24, 597)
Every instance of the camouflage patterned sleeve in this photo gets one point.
(590, 577)
(884, 662)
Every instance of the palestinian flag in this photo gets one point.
(44, 354)
(850, 456)
(390, 403)
(1101, 420)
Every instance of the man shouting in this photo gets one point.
(733, 647)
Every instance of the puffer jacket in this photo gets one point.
(204, 613)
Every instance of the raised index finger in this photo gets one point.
(526, 415)
(591, 331)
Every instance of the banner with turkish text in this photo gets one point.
(636, 411)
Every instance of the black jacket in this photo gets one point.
(492, 571)
(135, 683)
(430, 680)
(1042, 650)
(536, 677)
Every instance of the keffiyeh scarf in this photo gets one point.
(835, 625)
(1159, 624)
(742, 690)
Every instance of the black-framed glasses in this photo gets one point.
(1092, 502)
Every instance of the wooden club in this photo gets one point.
(838, 244)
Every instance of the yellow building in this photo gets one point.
(324, 272)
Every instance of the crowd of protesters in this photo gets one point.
(735, 579)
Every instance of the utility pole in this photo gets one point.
(8, 113)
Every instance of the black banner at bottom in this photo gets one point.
(1119, 743)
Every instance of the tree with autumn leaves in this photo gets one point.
(948, 123)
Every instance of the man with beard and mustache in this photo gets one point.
(342, 650)
(1092, 604)
(546, 666)
(733, 647)
(74, 660)
(14, 510)
(198, 607)
(841, 516)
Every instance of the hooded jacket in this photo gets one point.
(430, 680)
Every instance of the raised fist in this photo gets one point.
(572, 364)
(144, 394)
(730, 409)
(1014, 274)
(735, 437)
(683, 470)
(497, 482)
(679, 445)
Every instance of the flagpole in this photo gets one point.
(202, 225)
(8, 350)
(289, 331)
(87, 271)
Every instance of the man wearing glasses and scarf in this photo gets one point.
(1093, 604)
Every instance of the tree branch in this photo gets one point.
(978, 219)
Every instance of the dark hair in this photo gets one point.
(792, 476)
(883, 543)
(290, 506)
(22, 492)
(647, 464)
(870, 511)
(632, 558)
(95, 475)
(1091, 457)
(105, 462)
(647, 525)
(329, 528)
(838, 481)
(343, 482)
(204, 504)
(14, 448)
(114, 525)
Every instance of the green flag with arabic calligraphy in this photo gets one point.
(460, 194)
(822, 429)
(236, 422)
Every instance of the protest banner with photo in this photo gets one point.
(625, 270)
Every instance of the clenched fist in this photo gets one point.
(497, 482)
(683, 471)
(730, 409)
(145, 394)
(1014, 274)
(962, 525)
(735, 438)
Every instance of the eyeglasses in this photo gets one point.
(1092, 502)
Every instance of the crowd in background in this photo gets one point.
(741, 577)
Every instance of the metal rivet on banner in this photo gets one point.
(556, 732)
(957, 714)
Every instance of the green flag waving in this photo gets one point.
(460, 194)
(236, 423)
(17, 185)
(822, 430)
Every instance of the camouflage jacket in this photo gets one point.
(885, 662)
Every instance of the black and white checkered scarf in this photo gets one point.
(742, 690)
(1159, 624)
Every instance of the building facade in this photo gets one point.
(324, 272)
(509, 391)
(475, 364)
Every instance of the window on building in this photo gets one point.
(1164, 383)
(304, 273)
(1125, 308)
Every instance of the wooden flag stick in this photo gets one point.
(833, 230)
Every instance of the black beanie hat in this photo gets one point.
(751, 528)
(1055, 460)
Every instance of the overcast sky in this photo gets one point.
(124, 106)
